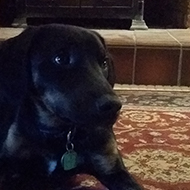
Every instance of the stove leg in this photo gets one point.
(138, 22)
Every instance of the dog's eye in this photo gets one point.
(57, 60)
(61, 59)
(105, 63)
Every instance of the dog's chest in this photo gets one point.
(52, 164)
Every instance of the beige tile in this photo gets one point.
(157, 88)
(155, 38)
(6, 33)
(118, 37)
(150, 87)
(185, 88)
(182, 35)
(149, 38)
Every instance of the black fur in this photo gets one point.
(57, 80)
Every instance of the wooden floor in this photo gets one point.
(144, 57)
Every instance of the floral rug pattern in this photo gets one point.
(153, 135)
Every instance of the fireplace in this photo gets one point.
(115, 10)
(167, 13)
(157, 14)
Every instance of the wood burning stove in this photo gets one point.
(100, 9)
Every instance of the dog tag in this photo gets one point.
(69, 160)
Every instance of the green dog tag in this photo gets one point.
(69, 160)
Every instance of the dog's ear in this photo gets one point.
(111, 73)
(13, 73)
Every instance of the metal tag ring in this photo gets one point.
(69, 146)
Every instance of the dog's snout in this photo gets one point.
(108, 104)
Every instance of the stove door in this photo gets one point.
(113, 3)
(53, 3)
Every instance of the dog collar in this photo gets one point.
(69, 158)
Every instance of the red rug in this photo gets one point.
(153, 135)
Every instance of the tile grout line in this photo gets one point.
(134, 57)
(180, 59)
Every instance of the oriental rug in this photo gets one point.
(153, 135)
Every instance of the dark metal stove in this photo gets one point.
(91, 9)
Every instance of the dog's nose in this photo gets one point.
(108, 104)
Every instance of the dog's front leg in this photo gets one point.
(118, 179)
(110, 170)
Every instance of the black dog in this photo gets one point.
(57, 108)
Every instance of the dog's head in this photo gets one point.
(72, 75)
(70, 70)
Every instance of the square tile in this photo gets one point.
(118, 37)
(157, 66)
(185, 74)
(155, 38)
(123, 63)
(182, 36)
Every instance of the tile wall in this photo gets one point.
(153, 57)
(149, 57)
